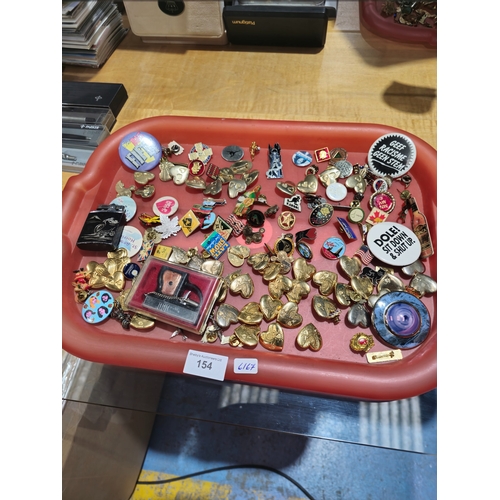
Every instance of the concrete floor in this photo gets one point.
(334, 449)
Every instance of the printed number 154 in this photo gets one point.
(204, 365)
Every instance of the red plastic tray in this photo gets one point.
(374, 21)
(334, 370)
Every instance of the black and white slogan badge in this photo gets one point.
(393, 243)
(392, 155)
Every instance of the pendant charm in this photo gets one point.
(326, 281)
(273, 338)
(288, 315)
(310, 184)
(326, 308)
(309, 338)
(251, 314)
(270, 307)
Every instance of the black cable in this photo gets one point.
(229, 467)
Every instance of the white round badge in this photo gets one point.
(129, 204)
(336, 191)
(131, 240)
(393, 243)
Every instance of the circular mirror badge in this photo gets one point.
(392, 155)
(393, 243)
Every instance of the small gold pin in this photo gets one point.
(384, 356)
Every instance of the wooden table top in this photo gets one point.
(357, 77)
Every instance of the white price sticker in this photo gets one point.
(205, 365)
(246, 365)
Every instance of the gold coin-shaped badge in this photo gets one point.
(243, 285)
(251, 314)
(309, 338)
(273, 338)
(248, 335)
(326, 281)
(140, 322)
(270, 307)
(289, 316)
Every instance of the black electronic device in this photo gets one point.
(278, 24)
(94, 95)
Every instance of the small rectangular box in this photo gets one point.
(276, 25)
(94, 94)
(174, 294)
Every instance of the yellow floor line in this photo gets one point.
(187, 489)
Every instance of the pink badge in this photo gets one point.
(165, 206)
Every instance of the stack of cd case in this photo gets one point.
(83, 129)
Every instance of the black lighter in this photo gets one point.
(103, 228)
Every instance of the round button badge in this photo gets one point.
(129, 204)
(302, 158)
(333, 248)
(140, 151)
(336, 191)
(131, 240)
(166, 205)
(393, 243)
(392, 155)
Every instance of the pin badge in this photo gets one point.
(322, 154)
(302, 158)
(232, 153)
(346, 228)
(189, 223)
(333, 248)
(129, 204)
(286, 220)
(201, 152)
(392, 155)
(336, 191)
(321, 215)
(215, 245)
(140, 151)
(393, 244)
(383, 200)
(98, 307)
(166, 205)
(361, 342)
